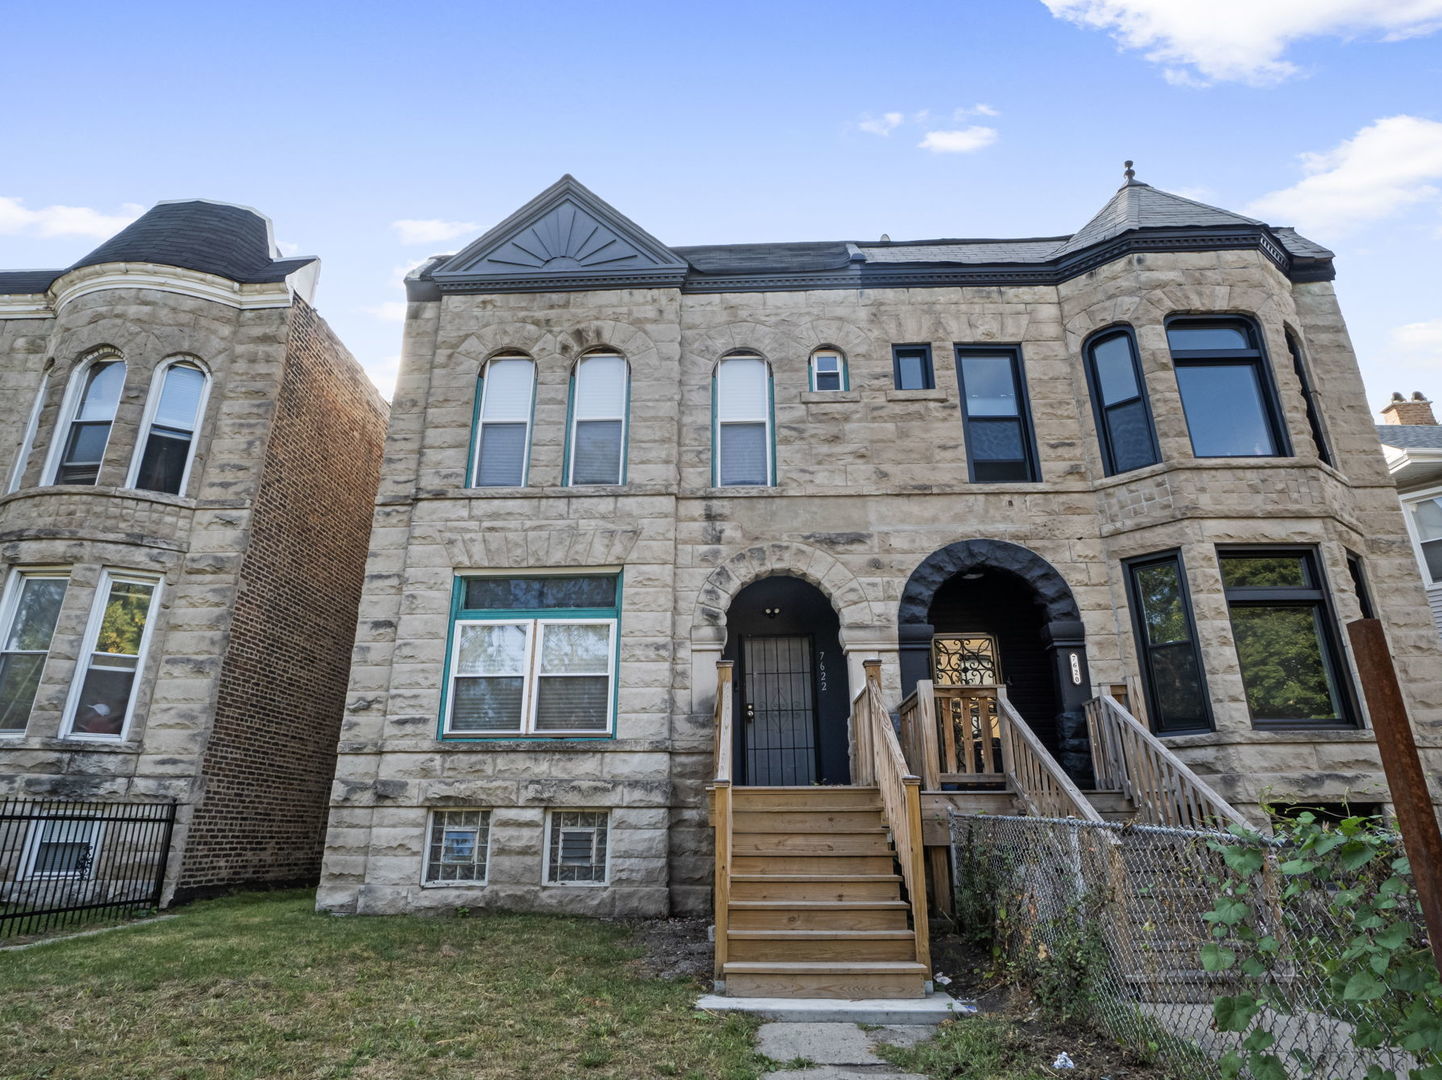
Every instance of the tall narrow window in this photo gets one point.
(28, 612)
(598, 420)
(828, 370)
(1309, 395)
(532, 656)
(506, 392)
(113, 656)
(167, 439)
(995, 415)
(1167, 644)
(1226, 388)
(1119, 399)
(911, 367)
(89, 425)
(1427, 520)
(1286, 642)
(743, 423)
(22, 457)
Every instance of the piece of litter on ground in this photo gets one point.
(1063, 1062)
(944, 980)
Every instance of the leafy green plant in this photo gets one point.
(1322, 919)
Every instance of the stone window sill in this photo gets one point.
(916, 395)
(826, 397)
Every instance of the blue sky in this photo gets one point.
(376, 134)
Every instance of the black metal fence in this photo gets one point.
(65, 862)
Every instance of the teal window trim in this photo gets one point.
(843, 369)
(771, 421)
(571, 421)
(570, 424)
(626, 429)
(715, 431)
(461, 614)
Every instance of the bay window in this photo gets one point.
(28, 613)
(112, 657)
(167, 438)
(86, 429)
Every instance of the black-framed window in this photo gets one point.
(1359, 585)
(1228, 395)
(1119, 400)
(996, 418)
(911, 367)
(1286, 638)
(1166, 636)
(1309, 395)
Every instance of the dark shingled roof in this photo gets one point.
(194, 234)
(766, 258)
(1411, 436)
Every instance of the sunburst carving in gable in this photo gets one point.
(567, 238)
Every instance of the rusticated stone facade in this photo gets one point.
(871, 481)
(256, 561)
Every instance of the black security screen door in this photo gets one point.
(778, 710)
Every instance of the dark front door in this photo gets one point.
(777, 702)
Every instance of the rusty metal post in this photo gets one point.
(1398, 749)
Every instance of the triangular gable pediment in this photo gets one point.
(564, 238)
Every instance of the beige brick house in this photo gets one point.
(1128, 466)
(190, 458)
(1412, 444)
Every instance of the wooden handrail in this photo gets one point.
(1126, 757)
(900, 791)
(1034, 775)
(721, 816)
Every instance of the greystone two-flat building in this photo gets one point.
(190, 459)
(1132, 461)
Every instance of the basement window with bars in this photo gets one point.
(576, 847)
(62, 848)
(457, 846)
(533, 656)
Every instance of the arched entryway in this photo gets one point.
(995, 589)
(791, 691)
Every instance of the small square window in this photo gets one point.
(458, 845)
(63, 848)
(828, 370)
(911, 367)
(576, 847)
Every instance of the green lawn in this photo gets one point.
(260, 986)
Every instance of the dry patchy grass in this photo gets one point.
(260, 986)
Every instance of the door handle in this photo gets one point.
(750, 713)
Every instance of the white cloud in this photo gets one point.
(1242, 40)
(979, 109)
(1386, 167)
(287, 248)
(431, 230)
(64, 220)
(963, 141)
(1421, 338)
(884, 124)
(390, 311)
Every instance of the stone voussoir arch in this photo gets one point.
(1053, 594)
(781, 559)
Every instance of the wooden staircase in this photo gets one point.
(815, 907)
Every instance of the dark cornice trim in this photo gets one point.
(921, 275)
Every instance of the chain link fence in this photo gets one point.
(1216, 955)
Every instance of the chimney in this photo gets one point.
(1417, 412)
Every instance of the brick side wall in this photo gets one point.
(271, 755)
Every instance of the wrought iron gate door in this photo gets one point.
(778, 710)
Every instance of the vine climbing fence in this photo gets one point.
(1288, 957)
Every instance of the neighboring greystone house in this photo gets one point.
(1134, 460)
(190, 457)
(1412, 445)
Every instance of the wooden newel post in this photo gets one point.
(1398, 750)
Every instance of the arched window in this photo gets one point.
(87, 428)
(505, 393)
(742, 428)
(17, 471)
(167, 438)
(597, 438)
(828, 370)
(1119, 400)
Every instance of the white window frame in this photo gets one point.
(480, 421)
(606, 852)
(152, 404)
(32, 850)
(426, 882)
(768, 419)
(27, 444)
(577, 419)
(531, 676)
(843, 378)
(8, 604)
(1409, 500)
(70, 403)
(87, 650)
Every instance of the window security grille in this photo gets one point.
(577, 847)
